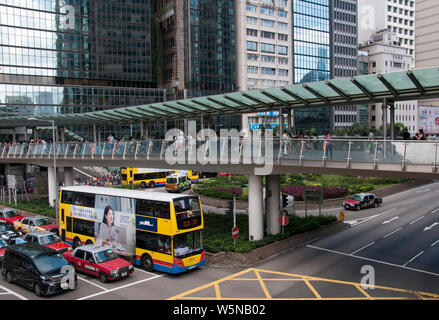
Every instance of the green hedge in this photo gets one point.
(218, 231)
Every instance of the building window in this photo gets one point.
(252, 46)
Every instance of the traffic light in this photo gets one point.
(284, 200)
(229, 209)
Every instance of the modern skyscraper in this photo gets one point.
(397, 16)
(77, 56)
(312, 58)
(264, 50)
(385, 54)
(345, 55)
(197, 41)
(427, 41)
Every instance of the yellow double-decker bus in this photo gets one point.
(146, 177)
(157, 231)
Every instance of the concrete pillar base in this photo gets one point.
(68, 176)
(255, 208)
(273, 204)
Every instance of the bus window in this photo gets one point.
(188, 212)
(67, 197)
(84, 227)
(162, 209)
(152, 208)
(153, 242)
(187, 243)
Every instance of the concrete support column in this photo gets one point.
(63, 134)
(94, 134)
(392, 120)
(52, 186)
(68, 176)
(255, 206)
(385, 118)
(141, 128)
(273, 203)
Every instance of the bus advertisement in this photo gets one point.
(155, 230)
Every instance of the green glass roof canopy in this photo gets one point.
(413, 84)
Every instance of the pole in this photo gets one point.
(234, 219)
(54, 169)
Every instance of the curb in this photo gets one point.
(258, 255)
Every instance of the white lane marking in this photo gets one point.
(426, 190)
(431, 227)
(373, 260)
(388, 221)
(411, 260)
(433, 244)
(362, 248)
(14, 293)
(434, 211)
(121, 287)
(90, 282)
(388, 235)
(417, 220)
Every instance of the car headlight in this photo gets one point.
(113, 272)
(130, 267)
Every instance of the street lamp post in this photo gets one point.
(54, 161)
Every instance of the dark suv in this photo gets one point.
(38, 268)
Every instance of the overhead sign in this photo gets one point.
(313, 196)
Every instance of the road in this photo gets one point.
(394, 248)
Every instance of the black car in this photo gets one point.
(38, 268)
(8, 233)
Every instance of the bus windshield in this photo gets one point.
(187, 244)
(188, 212)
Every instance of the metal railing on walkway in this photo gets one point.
(236, 151)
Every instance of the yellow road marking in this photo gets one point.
(288, 277)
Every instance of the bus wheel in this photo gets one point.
(151, 184)
(143, 185)
(77, 243)
(146, 262)
(88, 242)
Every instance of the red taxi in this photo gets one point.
(48, 239)
(99, 261)
(10, 215)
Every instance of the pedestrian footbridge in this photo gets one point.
(259, 156)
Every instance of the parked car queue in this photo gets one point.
(34, 257)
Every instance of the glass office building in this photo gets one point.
(77, 56)
(312, 58)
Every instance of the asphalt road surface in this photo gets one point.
(391, 252)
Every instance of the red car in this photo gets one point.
(224, 174)
(48, 239)
(10, 215)
(363, 200)
(99, 261)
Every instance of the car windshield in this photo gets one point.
(357, 197)
(42, 222)
(2, 244)
(106, 255)
(10, 214)
(171, 180)
(49, 239)
(5, 227)
(51, 264)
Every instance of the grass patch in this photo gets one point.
(40, 207)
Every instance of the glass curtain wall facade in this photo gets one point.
(312, 58)
(76, 56)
